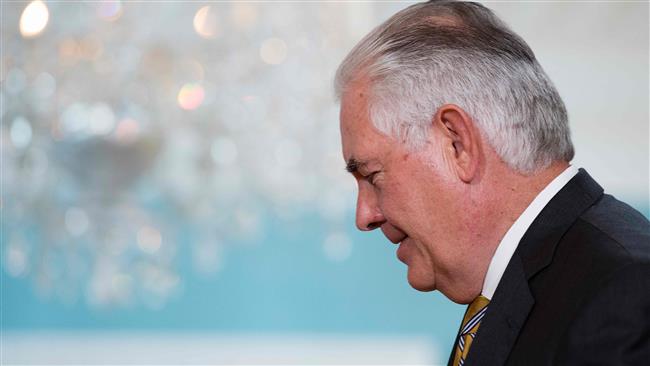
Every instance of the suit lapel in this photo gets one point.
(506, 315)
(513, 300)
(537, 246)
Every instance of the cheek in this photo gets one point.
(395, 205)
(426, 255)
(397, 191)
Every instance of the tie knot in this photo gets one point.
(479, 303)
(475, 311)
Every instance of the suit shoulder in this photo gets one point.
(613, 317)
(615, 227)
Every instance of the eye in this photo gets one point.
(372, 178)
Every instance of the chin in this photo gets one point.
(461, 298)
(420, 282)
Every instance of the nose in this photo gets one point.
(369, 216)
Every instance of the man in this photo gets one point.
(461, 149)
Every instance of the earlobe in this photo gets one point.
(462, 138)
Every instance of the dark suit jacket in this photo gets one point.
(577, 289)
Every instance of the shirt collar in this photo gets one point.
(511, 239)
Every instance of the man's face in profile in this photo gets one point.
(404, 192)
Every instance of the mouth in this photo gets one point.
(402, 251)
(393, 233)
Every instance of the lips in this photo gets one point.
(402, 251)
(393, 234)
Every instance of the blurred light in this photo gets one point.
(21, 133)
(105, 65)
(127, 131)
(273, 51)
(207, 257)
(333, 204)
(228, 184)
(116, 239)
(223, 151)
(191, 96)
(337, 247)
(159, 281)
(101, 119)
(35, 166)
(192, 70)
(247, 221)
(244, 15)
(16, 259)
(90, 47)
(69, 51)
(129, 57)
(109, 10)
(34, 19)
(74, 119)
(149, 239)
(44, 85)
(98, 292)
(106, 284)
(76, 221)
(136, 93)
(15, 81)
(121, 284)
(288, 153)
(205, 22)
(249, 98)
(4, 67)
(2, 104)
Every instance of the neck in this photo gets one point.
(520, 191)
(506, 195)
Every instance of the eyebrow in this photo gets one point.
(353, 165)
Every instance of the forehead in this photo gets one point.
(360, 138)
(354, 107)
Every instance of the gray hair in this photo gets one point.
(440, 52)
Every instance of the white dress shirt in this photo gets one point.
(510, 241)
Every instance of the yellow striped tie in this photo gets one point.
(471, 321)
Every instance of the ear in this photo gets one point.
(461, 140)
